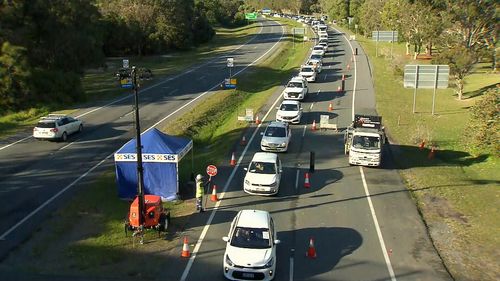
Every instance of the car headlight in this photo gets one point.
(273, 184)
(283, 144)
(269, 263)
(264, 142)
(229, 261)
(247, 182)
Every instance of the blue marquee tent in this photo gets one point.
(161, 154)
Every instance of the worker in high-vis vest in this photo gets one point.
(200, 191)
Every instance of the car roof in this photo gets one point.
(277, 124)
(253, 218)
(297, 79)
(267, 157)
(290, 102)
(52, 117)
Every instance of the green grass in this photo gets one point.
(456, 192)
(100, 84)
(88, 238)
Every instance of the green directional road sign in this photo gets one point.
(251, 16)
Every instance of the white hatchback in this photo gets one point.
(263, 175)
(251, 247)
(276, 137)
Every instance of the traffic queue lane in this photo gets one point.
(38, 175)
(336, 211)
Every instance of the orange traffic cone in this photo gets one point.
(432, 153)
(343, 77)
(213, 197)
(330, 107)
(314, 125)
(421, 145)
(233, 160)
(243, 141)
(339, 89)
(257, 120)
(348, 67)
(307, 184)
(185, 249)
(311, 251)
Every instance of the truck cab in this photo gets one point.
(364, 141)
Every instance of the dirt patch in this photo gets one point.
(442, 208)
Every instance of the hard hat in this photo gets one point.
(199, 177)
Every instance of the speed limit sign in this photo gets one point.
(211, 170)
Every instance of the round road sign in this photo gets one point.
(211, 170)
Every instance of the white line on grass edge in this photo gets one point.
(10, 230)
(214, 210)
(365, 186)
(150, 87)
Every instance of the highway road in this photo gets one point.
(363, 220)
(37, 176)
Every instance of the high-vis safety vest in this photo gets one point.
(199, 189)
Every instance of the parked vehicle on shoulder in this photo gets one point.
(251, 247)
(263, 174)
(308, 72)
(296, 89)
(276, 137)
(57, 127)
(289, 111)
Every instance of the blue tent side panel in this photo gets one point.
(161, 179)
(126, 177)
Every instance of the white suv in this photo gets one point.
(276, 137)
(251, 247)
(57, 127)
(308, 72)
(263, 174)
(296, 89)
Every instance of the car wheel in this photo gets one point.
(64, 137)
(80, 129)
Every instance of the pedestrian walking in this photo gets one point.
(200, 191)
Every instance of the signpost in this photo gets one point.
(230, 64)
(384, 36)
(426, 77)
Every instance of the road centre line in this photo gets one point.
(311, 106)
(201, 77)
(31, 214)
(304, 131)
(150, 87)
(226, 186)
(377, 227)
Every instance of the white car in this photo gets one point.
(296, 89)
(57, 127)
(308, 72)
(316, 64)
(263, 174)
(289, 111)
(323, 43)
(316, 58)
(318, 50)
(251, 247)
(276, 137)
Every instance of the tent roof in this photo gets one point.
(154, 141)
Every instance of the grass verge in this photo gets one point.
(100, 84)
(456, 192)
(87, 237)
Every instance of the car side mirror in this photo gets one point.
(281, 171)
(225, 239)
(246, 169)
(277, 241)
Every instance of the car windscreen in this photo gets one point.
(294, 85)
(316, 57)
(307, 69)
(289, 107)
(277, 132)
(46, 125)
(262, 168)
(254, 238)
(318, 48)
(366, 142)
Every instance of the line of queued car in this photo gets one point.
(251, 242)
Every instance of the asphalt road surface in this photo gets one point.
(363, 220)
(38, 175)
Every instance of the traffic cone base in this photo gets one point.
(233, 160)
(307, 184)
(421, 145)
(330, 107)
(185, 249)
(213, 197)
(311, 251)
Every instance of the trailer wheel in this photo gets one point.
(164, 222)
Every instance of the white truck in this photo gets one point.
(364, 140)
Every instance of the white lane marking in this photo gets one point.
(326, 74)
(304, 131)
(173, 92)
(317, 93)
(311, 107)
(97, 165)
(131, 112)
(226, 186)
(377, 227)
(52, 199)
(201, 77)
(152, 86)
(297, 180)
(291, 267)
(66, 146)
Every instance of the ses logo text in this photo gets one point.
(146, 157)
